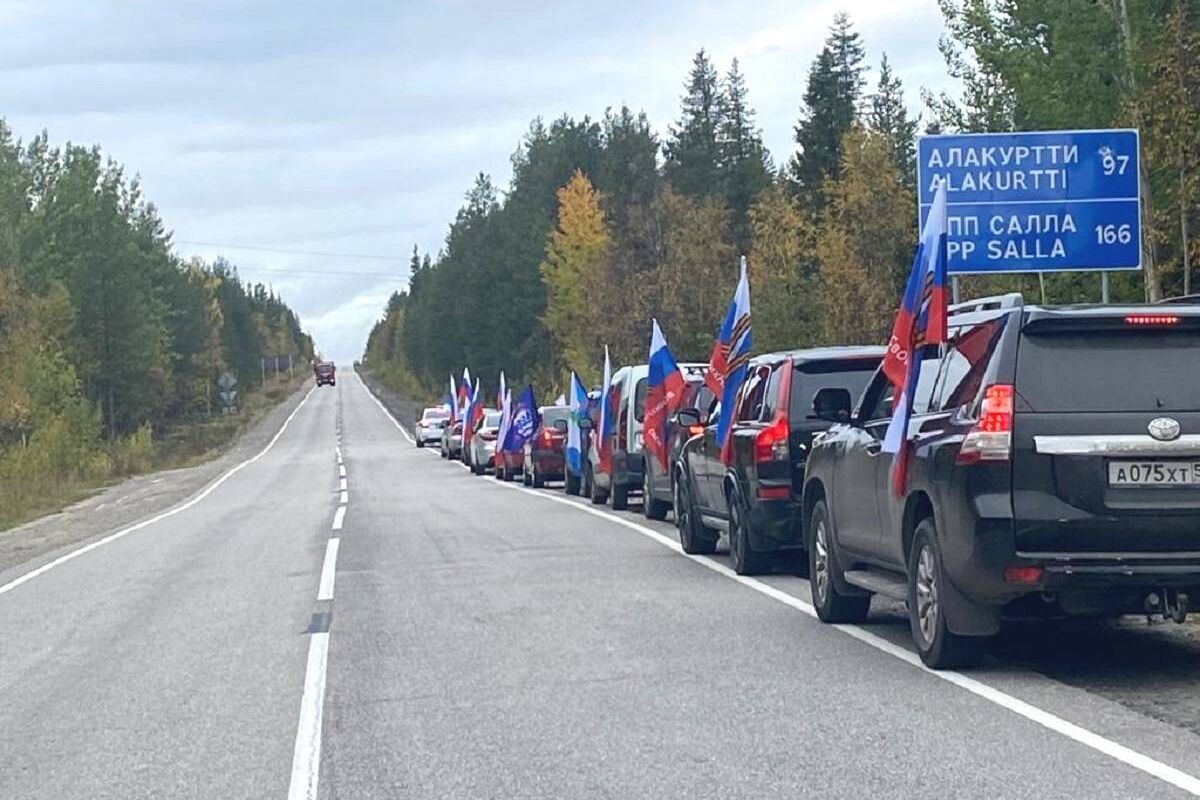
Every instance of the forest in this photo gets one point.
(605, 224)
(108, 340)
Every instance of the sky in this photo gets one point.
(353, 128)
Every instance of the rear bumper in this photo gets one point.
(627, 468)
(429, 434)
(548, 462)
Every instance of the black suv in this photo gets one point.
(658, 490)
(756, 497)
(1054, 471)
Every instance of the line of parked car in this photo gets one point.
(1054, 470)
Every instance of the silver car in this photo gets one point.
(452, 440)
(430, 425)
(481, 451)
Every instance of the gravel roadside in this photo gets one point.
(131, 500)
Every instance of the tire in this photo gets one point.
(509, 475)
(420, 442)
(620, 496)
(498, 473)
(694, 538)
(937, 646)
(824, 573)
(746, 561)
(571, 484)
(525, 476)
(598, 496)
(652, 508)
(538, 481)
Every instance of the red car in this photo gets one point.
(509, 465)
(325, 373)
(543, 458)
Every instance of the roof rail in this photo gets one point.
(993, 303)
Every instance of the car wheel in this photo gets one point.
(620, 497)
(938, 647)
(745, 560)
(498, 473)
(693, 537)
(538, 480)
(571, 484)
(824, 574)
(652, 507)
(420, 442)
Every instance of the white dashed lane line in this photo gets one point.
(329, 569)
(338, 517)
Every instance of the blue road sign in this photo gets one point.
(1036, 202)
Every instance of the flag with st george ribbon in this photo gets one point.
(920, 321)
(577, 404)
(607, 412)
(524, 423)
(664, 389)
(730, 356)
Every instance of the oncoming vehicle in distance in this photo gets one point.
(755, 498)
(543, 455)
(326, 373)
(431, 424)
(1054, 470)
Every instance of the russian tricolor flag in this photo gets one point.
(920, 321)
(730, 355)
(607, 413)
(664, 388)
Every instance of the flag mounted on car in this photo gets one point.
(607, 411)
(920, 321)
(505, 417)
(473, 414)
(577, 404)
(664, 388)
(524, 423)
(730, 356)
(452, 401)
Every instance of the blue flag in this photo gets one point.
(577, 402)
(524, 422)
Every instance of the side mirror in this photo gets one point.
(832, 405)
(560, 425)
(687, 417)
(585, 423)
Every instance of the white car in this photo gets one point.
(429, 427)
(481, 452)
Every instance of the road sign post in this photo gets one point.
(1048, 201)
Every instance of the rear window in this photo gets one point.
(1109, 370)
(853, 375)
(639, 400)
(554, 414)
(435, 413)
(491, 419)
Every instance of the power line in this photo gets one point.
(319, 254)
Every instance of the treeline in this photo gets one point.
(603, 225)
(105, 334)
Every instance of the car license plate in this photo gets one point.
(1154, 473)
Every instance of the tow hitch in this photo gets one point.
(1172, 604)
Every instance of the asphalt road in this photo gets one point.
(426, 633)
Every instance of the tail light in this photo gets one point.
(1022, 574)
(990, 439)
(695, 430)
(545, 437)
(771, 443)
(1152, 319)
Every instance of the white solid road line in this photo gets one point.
(306, 758)
(1139, 761)
(341, 470)
(371, 395)
(329, 568)
(338, 517)
(342, 484)
(112, 537)
(345, 498)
